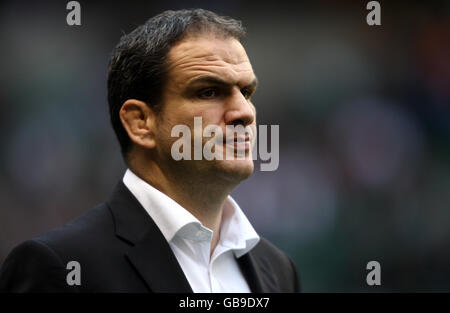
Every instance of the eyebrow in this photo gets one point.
(218, 81)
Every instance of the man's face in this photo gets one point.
(212, 78)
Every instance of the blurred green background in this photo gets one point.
(364, 115)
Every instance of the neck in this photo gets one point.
(198, 195)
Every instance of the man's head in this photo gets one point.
(178, 65)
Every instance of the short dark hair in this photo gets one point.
(138, 67)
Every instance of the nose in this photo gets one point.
(239, 111)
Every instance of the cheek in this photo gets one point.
(208, 116)
(182, 112)
(167, 121)
(211, 116)
(174, 115)
(164, 124)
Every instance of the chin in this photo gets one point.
(236, 170)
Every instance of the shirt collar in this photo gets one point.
(173, 220)
(236, 232)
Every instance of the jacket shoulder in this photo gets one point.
(32, 266)
(95, 223)
(40, 264)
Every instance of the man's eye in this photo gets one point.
(246, 93)
(208, 93)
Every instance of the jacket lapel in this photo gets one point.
(154, 261)
(256, 272)
(149, 252)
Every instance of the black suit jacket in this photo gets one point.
(120, 249)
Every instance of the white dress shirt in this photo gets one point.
(191, 241)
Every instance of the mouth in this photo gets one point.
(241, 143)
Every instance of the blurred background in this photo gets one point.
(364, 115)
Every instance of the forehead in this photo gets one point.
(209, 55)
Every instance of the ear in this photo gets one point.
(138, 119)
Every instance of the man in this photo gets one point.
(170, 225)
